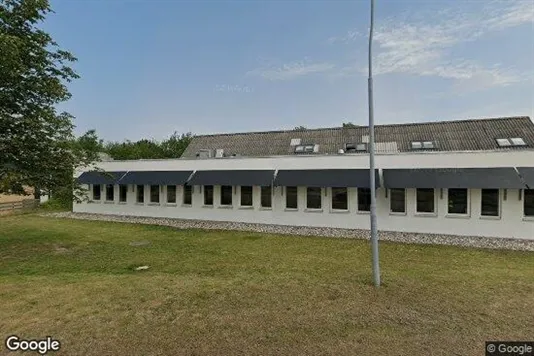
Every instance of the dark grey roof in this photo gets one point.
(156, 177)
(234, 177)
(528, 175)
(464, 135)
(325, 178)
(484, 178)
(100, 177)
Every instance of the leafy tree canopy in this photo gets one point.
(173, 147)
(36, 141)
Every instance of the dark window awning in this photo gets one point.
(97, 177)
(528, 175)
(156, 177)
(325, 178)
(482, 178)
(233, 177)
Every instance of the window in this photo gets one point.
(208, 195)
(246, 196)
(518, 141)
(425, 200)
(123, 192)
(528, 202)
(457, 201)
(364, 199)
(226, 195)
(508, 142)
(503, 142)
(266, 197)
(154, 193)
(313, 198)
(490, 202)
(428, 144)
(397, 200)
(355, 147)
(109, 192)
(96, 191)
(308, 148)
(339, 199)
(171, 194)
(140, 198)
(416, 145)
(291, 198)
(188, 195)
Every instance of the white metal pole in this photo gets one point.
(374, 230)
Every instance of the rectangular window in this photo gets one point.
(188, 195)
(140, 197)
(266, 197)
(313, 198)
(96, 191)
(291, 198)
(226, 195)
(340, 199)
(154, 193)
(425, 201)
(246, 196)
(171, 194)
(208, 195)
(457, 201)
(397, 200)
(364, 199)
(123, 192)
(110, 192)
(490, 202)
(528, 202)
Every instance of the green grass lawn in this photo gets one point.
(239, 293)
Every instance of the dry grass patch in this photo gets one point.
(228, 293)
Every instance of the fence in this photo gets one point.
(22, 205)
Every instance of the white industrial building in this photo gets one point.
(469, 178)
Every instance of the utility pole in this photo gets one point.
(374, 230)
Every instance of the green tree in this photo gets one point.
(36, 141)
(349, 125)
(173, 147)
(300, 128)
(85, 151)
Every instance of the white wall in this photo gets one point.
(511, 223)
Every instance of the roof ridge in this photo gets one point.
(365, 127)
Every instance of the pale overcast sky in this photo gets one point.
(153, 67)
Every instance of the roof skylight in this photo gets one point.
(503, 142)
(510, 142)
(428, 144)
(417, 145)
(518, 141)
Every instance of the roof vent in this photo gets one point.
(204, 153)
(340, 151)
(295, 142)
(219, 153)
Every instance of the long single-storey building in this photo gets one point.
(467, 178)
